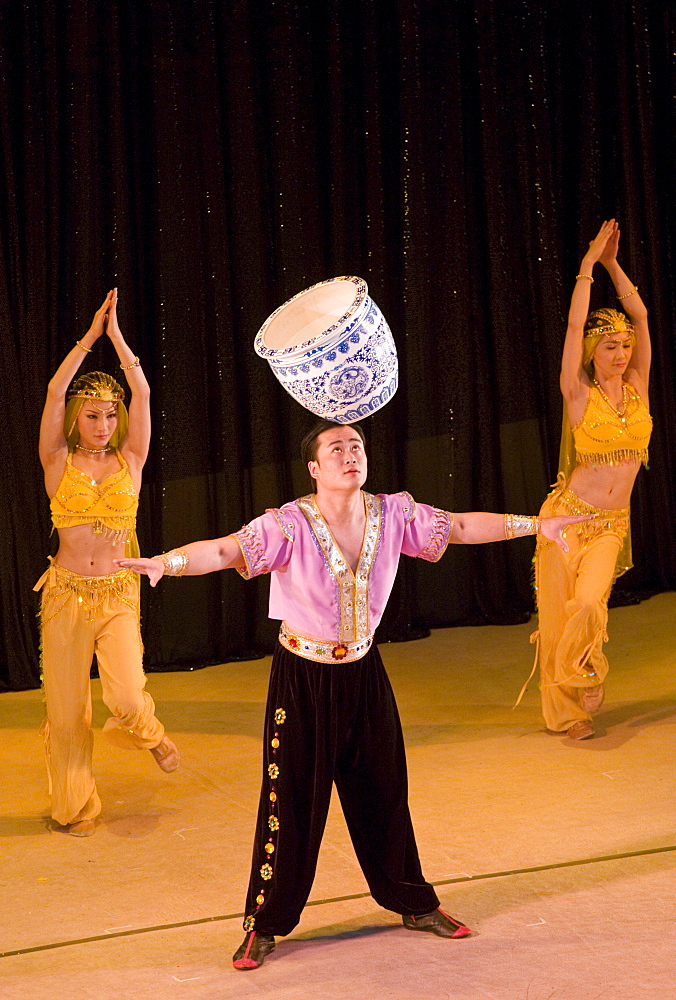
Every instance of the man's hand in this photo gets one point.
(152, 568)
(553, 528)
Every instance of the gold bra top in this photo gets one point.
(606, 436)
(109, 506)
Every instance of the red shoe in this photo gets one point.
(437, 922)
(253, 951)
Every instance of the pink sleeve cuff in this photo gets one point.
(251, 544)
(440, 534)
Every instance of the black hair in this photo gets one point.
(308, 446)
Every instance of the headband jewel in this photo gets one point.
(612, 320)
(598, 330)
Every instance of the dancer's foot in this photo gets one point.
(84, 828)
(166, 755)
(253, 951)
(591, 698)
(581, 730)
(437, 922)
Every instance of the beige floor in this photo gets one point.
(561, 856)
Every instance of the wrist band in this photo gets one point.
(587, 276)
(175, 562)
(627, 294)
(135, 364)
(517, 525)
(87, 349)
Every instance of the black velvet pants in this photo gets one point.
(325, 723)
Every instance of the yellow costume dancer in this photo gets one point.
(93, 505)
(83, 615)
(573, 587)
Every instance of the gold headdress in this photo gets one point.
(97, 385)
(91, 386)
(609, 321)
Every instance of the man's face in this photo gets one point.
(341, 460)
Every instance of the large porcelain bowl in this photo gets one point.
(332, 350)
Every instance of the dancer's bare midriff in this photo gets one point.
(606, 486)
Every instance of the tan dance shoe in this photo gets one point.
(166, 755)
(581, 730)
(84, 828)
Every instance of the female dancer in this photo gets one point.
(93, 453)
(606, 430)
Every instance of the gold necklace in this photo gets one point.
(92, 451)
(619, 412)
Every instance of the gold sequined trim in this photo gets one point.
(409, 510)
(612, 457)
(352, 586)
(286, 527)
(323, 650)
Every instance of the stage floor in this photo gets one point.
(561, 856)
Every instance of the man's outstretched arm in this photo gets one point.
(480, 526)
(194, 559)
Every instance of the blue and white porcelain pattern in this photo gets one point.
(347, 371)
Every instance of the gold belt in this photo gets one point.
(322, 650)
(90, 591)
(614, 519)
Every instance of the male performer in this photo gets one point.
(331, 714)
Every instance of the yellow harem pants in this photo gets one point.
(80, 616)
(572, 598)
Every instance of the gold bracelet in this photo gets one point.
(627, 294)
(87, 349)
(135, 364)
(517, 525)
(587, 276)
(175, 562)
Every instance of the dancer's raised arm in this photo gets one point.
(137, 440)
(53, 446)
(573, 380)
(628, 298)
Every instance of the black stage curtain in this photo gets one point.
(213, 158)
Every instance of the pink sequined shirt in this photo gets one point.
(313, 589)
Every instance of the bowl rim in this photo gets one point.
(271, 353)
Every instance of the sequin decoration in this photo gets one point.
(266, 872)
(260, 899)
(249, 924)
(280, 716)
(274, 743)
(273, 823)
(270, 848)
(273, 770)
